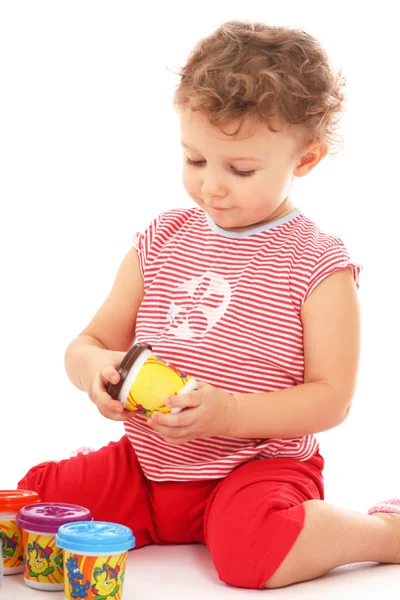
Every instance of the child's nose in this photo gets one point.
(213, 187)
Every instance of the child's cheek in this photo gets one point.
(191, 184)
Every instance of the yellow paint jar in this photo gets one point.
(94, 557)
(146, 380)
(44, 568)
(11, 501)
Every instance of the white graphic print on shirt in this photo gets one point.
(193, 317)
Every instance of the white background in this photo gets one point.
(89, 153)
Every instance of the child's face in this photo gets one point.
(233, 201)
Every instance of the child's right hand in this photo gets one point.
(105, 372)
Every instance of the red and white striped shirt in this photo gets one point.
(225, 307)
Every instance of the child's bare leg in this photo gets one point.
(332, 537)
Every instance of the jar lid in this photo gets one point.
(47, 517)
(14, 500)
(97, 537)
(125, 366)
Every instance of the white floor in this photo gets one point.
(187, 573)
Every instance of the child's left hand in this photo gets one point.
(210, 412)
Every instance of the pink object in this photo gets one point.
(386, 506)
(82, 450)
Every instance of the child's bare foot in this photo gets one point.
(389, 512)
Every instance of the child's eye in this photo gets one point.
(198, 163)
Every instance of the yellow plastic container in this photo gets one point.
(146, 380)
(94, 559)
(11, 502)
(44, 569)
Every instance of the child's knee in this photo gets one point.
(249, 541)
(249, 560)
(56, 481)
(32, 480)
(231, 569)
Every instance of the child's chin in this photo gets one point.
(224, 218)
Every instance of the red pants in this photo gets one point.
(248, 520)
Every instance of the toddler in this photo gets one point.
(244, 292)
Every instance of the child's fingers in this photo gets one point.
(110, 412)
(115, 410)
(190, 400)
(102, 398)
(127, 414)
(121, 415)
(106, 405)
(110, 373)
(115, 406)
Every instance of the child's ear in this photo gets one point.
(313, 153)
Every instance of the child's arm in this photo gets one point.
(92, 357)
(331, 322)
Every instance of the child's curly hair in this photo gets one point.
(246, 69)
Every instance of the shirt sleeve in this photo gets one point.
(160, 231)
(142, 242)
(333, 258)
